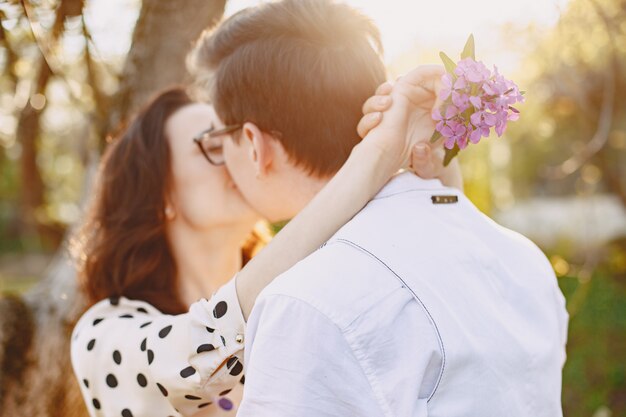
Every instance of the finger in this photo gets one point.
(427, 162)
(368, 122)
(384, 89)
(421, 161)
(427, 79)
(419, 96)
(376, 103)
(425, 76)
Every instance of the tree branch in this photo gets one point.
(600, 137)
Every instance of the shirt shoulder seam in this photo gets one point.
(417, 298)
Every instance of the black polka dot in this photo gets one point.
(96, 403)
(146, 324)
(225, 392)
(205, 348)
(235, 366)
(141, 380)
(220, 309)
(163, 390)
(192, 397)
(204, 405)
(114, 300)
(187, 372)
(142, 310)
(143, 345)
(237, 369)
(96, 321)
(126, 316)
(223, 340)
(111, 380)
(243, 380)
(117, 357)
(91, 344)
(150, 357)
(86, 383)
(126, 413)
(165, 331)
(210, 330)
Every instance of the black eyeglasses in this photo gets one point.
(210, 143)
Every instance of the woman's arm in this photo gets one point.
(128, 355)
(383, 151)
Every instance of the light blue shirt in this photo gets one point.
(412, 309)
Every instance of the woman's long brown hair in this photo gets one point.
(122, 247)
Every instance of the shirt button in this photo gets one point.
(239, 338)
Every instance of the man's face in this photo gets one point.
(265, 175)
(266, 193)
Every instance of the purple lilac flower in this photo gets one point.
(472, 71)
(475, 101)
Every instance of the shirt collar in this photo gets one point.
(407, 181)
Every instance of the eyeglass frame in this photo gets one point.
(212, 134)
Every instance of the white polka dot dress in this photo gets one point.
(133, 360)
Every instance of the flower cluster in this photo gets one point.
(475, 100)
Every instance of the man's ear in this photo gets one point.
(261, 148)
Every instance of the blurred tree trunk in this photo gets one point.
(28, 132)
(36, 378)
(28, 129)
(164, 34)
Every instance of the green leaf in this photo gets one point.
(469, 51)
(435, 137)
(450, 154)
(522, 92)
(448, 63)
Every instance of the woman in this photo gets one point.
(166, 230)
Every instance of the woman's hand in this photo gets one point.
(426, 159)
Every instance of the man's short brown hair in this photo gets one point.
(302, 68)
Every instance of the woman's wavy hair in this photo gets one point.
(122, 247)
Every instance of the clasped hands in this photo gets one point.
(398, 119)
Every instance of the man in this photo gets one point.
(420, 305)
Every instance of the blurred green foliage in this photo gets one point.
(573, 142)
(594, 377)
(573, 139)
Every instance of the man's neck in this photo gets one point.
(298, 189)
(303, 192)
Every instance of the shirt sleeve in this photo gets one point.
(298, 363)
(129, 356)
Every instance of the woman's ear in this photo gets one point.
(261, 149)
